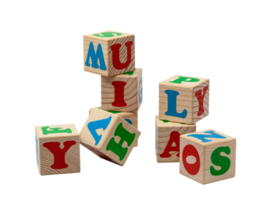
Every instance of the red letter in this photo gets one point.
(174, 137)
(116, 55)
(200, 99)
(59, 154)
(119, 94)
(190, 150)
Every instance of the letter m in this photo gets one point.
(95, 56)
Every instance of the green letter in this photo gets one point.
(45, 130)
(108, 34)
(185, 79)
(222, 161)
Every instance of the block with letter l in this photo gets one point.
(184, 99)
(109, 53)
(109, 136)
(207, 156)
(57, 149)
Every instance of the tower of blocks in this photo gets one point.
(183, 101)
(110, 130)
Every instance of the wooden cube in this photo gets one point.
(109, 53)
(167, 139)
(130, 117)
(122, 92)
(184, 99)
(57, 149)
(207, 156)
(109, 136)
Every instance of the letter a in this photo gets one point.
(119, 94)
(200, 99)
(174, 137)
(93, 126)
(95, 56)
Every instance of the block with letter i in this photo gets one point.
(167, 139)
(207, 156)
(109, 136)
(184, 99)
(109, 53)
(130, 117)
(57, 149)
(123, 92)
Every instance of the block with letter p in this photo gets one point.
(57, 149)
(184, 99)
(109, 53)
(207, 156)
(123, 92)
(109, 136)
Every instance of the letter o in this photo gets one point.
(190, 150)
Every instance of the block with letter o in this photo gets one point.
(207, 156)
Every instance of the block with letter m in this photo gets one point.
(109, 53)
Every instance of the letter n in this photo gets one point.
(116, 55)
(172, 98)
(203, 137)
(119, 87)
(95, 57)
(174, 137)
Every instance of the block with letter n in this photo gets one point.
(57, 149)
(109, 136)
(123, 92)
(184, 99)
(207, 156)
(167, 139)
(109, 53)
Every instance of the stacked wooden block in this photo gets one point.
(110, 130)
(183, 101)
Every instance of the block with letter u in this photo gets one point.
(109, 53)
(109, 136)
(207, 156)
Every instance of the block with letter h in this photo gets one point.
(123, 92)
(109, 53)
(207, 156)
(57, 149)
(109, 136)
(184, 99)
(130, 117)
(167, 139)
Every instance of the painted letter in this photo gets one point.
(116, 55)
(200, 98)
(190, 150)
(140, 94)
(222, 161)
(202, 136)
(184, 79)
(119, 87)
(174, 137)
(95, 57)
(108, 34)
(47, 130)
(172, 95)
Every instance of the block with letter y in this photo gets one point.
(57, 149)
(184, 99)
(207, 156)
(109, 136)
(109, 53)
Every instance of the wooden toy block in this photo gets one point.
(207, 156)
(184, 99)
(109, 53)
(57, 149)
(130, 117)
(109, 136)
(122, 92)
(167, 139)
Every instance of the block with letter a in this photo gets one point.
(57, 149)
(167, 139)
(109, 53)
(109, 136)
(184, 99)
(207, 156)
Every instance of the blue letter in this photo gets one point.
(172, 105)
(95, 56)
(202, 137)
(129, 121)
(140, 90)
(93, 126)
